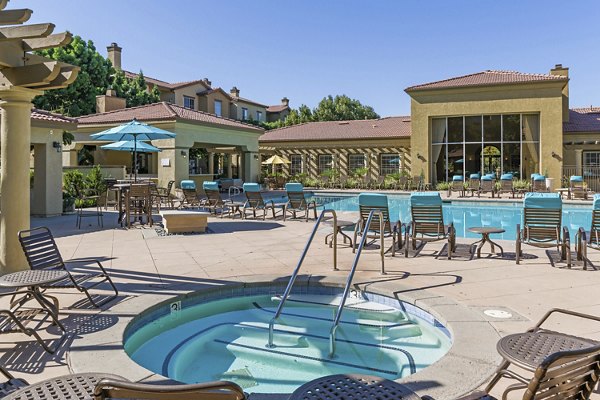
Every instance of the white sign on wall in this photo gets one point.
(165, 162)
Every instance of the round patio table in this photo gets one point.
(34, 279)
(485, 232)
(76, 386)
(353, 386)
(341, 224)
(527, 350)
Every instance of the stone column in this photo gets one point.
(15, 138)
(211, 164)
(229, 166)
(578, 161)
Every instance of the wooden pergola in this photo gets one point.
(23, 76)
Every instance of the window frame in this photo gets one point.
(220, 113)
(351, 166)
(259, 115)
(320, 165)
(384, 170)
(244, 113)
(191, 101)
(296, 167)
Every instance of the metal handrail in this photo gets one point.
(338, 313)
(288, 289)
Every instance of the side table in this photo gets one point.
(485, 233)
(341, 224)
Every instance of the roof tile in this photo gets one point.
(583, 120)
(389, 127)
(43, 115)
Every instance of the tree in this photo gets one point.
(95, 77)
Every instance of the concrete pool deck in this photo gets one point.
(149, 268)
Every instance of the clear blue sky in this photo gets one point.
(307, 49)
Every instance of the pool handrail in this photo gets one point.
(290, 284)
(340, 309)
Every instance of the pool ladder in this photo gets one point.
(340, 309)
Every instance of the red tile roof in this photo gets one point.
(162, 111)
(277, 108)
(158, 82)
(244, 100)
(42, 115)
(486, 78)
(583, 120)
(389, 127)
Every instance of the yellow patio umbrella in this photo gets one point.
(276, 160)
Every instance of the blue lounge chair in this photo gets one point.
(487, 185)
(190, 195)
(255, 201)
(542, 225)
(214, 202)
(378, 202)
(457, 185)
(589, 238)
(297, 201)
(474, 184)
(506, 185)
(427, 224)
(538, 183)
(577, 189)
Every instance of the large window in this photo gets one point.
(591, 163)
(325, 163)
(390, 164)
(218, 108)
(296, 164)
(355, 161)
(244, 113)
(189, 102)
(259, 116)
(507, 143)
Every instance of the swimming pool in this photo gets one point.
(226, 338)
(465, 214)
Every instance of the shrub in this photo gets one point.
(360, 172)
(72, 180)
(521, 184)
(95, 180)
(442, 186)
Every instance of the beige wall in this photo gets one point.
(208, 103)
(236, 110)
(188, 91)
(545, 99)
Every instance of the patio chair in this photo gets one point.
(297, 201)
(162, 195)
(571, 370)
(379, 183)
(577, 188)
(591, 238)
(42, 253)
(378, 202)
(84, 197)
(341, 183)
(487, 185)
(190, 195)
(214, 201)
(538, 183)
(140, 202)
(416, 183)
(120, 389)
(506, 185)
(110, 188)
(542, 217)
(255, 201)
(325, 182)
(17, 318)
(427, 222)
(457, 185)
(474, 184)
(403, 182)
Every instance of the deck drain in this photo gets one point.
(498, 314)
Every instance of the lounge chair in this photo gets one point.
(297, 201)
(214, 201)
(538, 183)
(427, 224)
(542, 217)
(42, 253)
(487, 185)
(474, 184)
(190, 195)
(570, 371)
(589, 238)
(506, 185)
(255, 201)
(377, 202)
(457, 185)
(162, 196)
(577, 188)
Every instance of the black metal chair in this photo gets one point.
(42, 252)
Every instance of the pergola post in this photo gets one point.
(15, 141)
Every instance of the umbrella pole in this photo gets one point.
(135, 163)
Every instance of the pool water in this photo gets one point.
(226, 339)
(466, 214)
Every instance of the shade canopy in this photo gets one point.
(133, 130)
(130, 145)
(276, 160)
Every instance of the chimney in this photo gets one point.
(285, 102)
(109, 102)
(235, 92)
(114, 55)
(559, 70)
(207, 82)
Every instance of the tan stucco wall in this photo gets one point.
(208, 103)
(189, 91)
(545, 99)
(236, 110)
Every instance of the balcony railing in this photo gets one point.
(591, 175)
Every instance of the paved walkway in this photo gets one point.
(142, 262)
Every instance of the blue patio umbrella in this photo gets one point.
(136, 132)
(130, 145)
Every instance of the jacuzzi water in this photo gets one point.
(226, 339)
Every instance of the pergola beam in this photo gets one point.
(68, 74)
(32, 75)
(14, 17)
(48, 42)
(3, 4)
(26, 31)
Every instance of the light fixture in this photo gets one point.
(256, 156)
(57, 146)
(183, 154)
